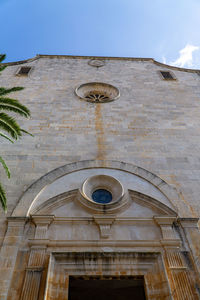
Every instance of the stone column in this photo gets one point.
(36, 259)
(9, 250)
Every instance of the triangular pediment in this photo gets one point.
(67, 205)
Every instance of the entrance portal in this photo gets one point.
(106, 288)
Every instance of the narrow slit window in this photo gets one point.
(167, 75)
(24, 71)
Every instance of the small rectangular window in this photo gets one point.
(23, 71)
(167, 75)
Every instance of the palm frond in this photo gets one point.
(2, 68)
(2, 161)
(6, 137)
(3, 198)
(15, 106)
(9, 124)
(2, 57)
(4, 91)
(24, 131)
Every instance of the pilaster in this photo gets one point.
(36, 259)
(8, 253)
(192, 233)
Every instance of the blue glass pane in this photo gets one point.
(102, 196)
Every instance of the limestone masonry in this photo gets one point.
(108, 187)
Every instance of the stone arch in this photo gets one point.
(30, 195)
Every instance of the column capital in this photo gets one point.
(165, 223)
(189, 222)
(17, 221)
(165, 220)
(40, 220)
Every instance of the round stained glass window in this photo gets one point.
(102, 196)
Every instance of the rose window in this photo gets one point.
(97, 97)
(97, 92)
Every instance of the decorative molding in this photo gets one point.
(96, 63)
(118, 220)
(165, 224)
(189, 222)
(106, 264)
(55, 202)
(17, 221)
(104, 223)
(42, 223)
(165, 220)
(42, 220)
(119, 203)
(26, 202)
(150, 202)
(151, 244)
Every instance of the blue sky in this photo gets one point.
(136, 28)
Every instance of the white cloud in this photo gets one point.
(164, 60)
(185, 57)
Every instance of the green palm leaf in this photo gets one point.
(9, 124)
(4, 91)
(3, 198)
(2, 68)
(2, 57)
(5, 166)
(14, 106)
(6, 137)
(25, 131)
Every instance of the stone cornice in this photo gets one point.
(103, 58)
(105, 243)
(189, 222)
(118, 220)
(166, 220)
(17, 221)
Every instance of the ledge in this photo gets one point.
(104, 243)
(101, 57)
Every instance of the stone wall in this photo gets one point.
(154, 125)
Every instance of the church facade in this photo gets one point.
(104, 199)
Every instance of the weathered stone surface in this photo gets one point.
(148, 139)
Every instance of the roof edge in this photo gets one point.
(101, 57)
